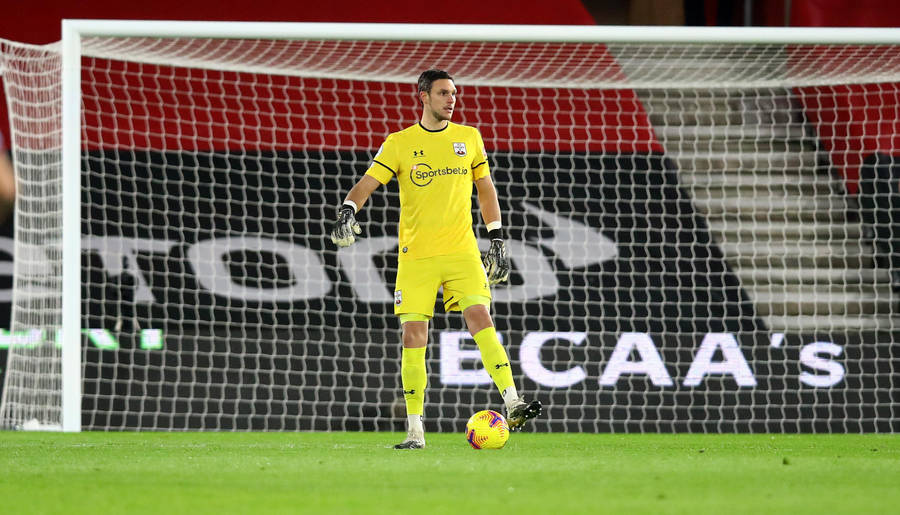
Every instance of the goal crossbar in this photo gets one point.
(485, 32)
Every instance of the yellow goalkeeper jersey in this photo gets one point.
(436, 171)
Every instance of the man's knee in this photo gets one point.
(477, 317)
(415, 333)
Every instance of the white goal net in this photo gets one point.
(700, 233)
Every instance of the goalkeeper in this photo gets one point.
(435, 163)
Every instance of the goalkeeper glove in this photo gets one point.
(496, 261)
(345, 227)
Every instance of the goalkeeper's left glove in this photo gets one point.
(345, 227)
(496, 261)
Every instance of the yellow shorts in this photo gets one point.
(418, 280)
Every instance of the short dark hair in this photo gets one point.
(429, 76)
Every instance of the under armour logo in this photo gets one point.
(498, 367)
(413, 392)
(418, 153)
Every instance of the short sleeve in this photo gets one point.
(480, 166)
(384, 165)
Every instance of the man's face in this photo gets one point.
(441, 100)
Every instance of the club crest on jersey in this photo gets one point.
(459, 149)
(398, 297)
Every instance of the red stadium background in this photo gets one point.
(851, 116)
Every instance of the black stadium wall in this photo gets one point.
(290, 338)
(664, 273)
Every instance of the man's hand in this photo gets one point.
(345, 227)
(496, 261)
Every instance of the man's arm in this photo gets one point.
(487, 200)
(7, 186)
(346, 227)
(496, 260)
(361, 192)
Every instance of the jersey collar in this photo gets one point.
(429, 130)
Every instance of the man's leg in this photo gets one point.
(496, 361)
(493, 355)
(414, 376)
(416, 288)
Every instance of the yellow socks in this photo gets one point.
(494, 357)
(415, 378)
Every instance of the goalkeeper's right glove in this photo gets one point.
(345, 227)
(496, 261)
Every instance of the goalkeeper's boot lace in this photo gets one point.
(413, 441)
(521, 412)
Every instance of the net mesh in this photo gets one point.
(32, 378)
(697, 234)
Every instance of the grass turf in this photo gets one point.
(358, 473)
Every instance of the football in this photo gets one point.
(487, 429)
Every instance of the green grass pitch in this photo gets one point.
(358, 473)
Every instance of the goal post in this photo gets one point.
(681, 206)
(71, 224)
